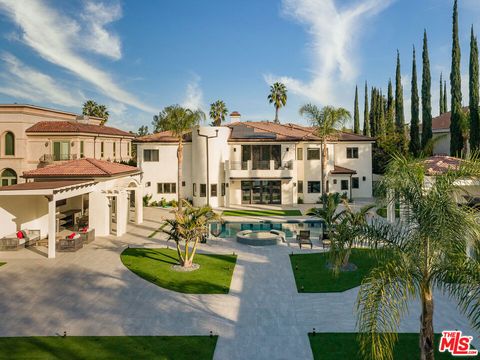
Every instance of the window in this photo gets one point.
(355, 183)
(344, 184)
(114, 149)
(102, 148)
(82, 154)
(313, 154)
(352, 153)
(213, 190)
(61, 150)
(150, 155)
(166, 188)
(9, 143)
(300, 187)
(223, 189)
(148, 184)
(128, 148)
(8, 177)
(194, 189)
(203, 190)
(314, 187)
(299, 153)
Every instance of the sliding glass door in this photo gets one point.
(262, 192)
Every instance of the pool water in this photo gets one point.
(291, 228)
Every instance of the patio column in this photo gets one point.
(52, 227)
(138, 206)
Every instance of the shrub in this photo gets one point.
(163, 202)
(173, 203)
(146, 199)
(300, 200)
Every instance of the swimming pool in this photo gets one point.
(229, 229)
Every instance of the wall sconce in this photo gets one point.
(234, 149)
(46, 143)
(364, 178)
(72, 144)
(286, 149)
(294, 184)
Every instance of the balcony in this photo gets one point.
(50, 158)
(270, 169)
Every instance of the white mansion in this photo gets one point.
(254, 163)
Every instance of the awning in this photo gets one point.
(339, 170)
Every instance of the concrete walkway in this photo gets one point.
(90, 292)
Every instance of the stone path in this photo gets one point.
(91, 293)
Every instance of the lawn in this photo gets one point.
(108, 347)
(2, 263)
(333, 346)
(155, 265)
(311, 273)
(262, 213)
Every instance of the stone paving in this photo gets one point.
(90, 292)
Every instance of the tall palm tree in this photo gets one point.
(218, 111)
(187, 228)
(277, 96)
(178, 121)
(326, 121)
(92, 108)
(425, 251)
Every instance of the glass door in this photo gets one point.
(256, 192)
(246, 192)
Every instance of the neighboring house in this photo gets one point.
(60, 170)
(33, 136)
(254, 163)
(441, 133)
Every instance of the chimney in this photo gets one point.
(235, 117)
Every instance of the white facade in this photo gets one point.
(293, 173)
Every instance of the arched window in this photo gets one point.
(9, 143)
(8, 177)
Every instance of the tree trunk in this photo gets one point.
(346, 258)
(179, 173)
(276, 116)
(324, 167)
(426, 325)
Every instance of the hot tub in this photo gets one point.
(260, 238)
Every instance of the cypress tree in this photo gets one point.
(390, 110)
(373, 112)
(426, 95)
(445, 102)
(474, 97)
(356, 114)
(456, 140)
(441, 95)
(366, 117)
(414, 145)
(399, 113)
(381, 130)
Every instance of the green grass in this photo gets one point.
(262, 213)
(2, 263)
(108, 347)
(155, 265)
(334, 346)
(311, 273)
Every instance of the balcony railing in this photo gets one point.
(49, 158)
(261, 165)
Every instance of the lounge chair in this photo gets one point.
(13, 242)
(69, 243)
(303, 238)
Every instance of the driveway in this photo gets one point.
(90, 292)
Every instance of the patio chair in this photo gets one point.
(13, 242)
(303, 238)
(70, 243)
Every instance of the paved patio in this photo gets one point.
(90, 292)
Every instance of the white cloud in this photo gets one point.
(27, 83)
(56, 38)
(334, 33)
(194, 94)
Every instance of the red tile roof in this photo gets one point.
(442, 122)
(81, 168)
(163, 137)
(75, 127)
(44, 185)
(342, 170)
(436, 165)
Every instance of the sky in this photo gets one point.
(137, 57)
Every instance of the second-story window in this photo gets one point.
(102, 149)
(61, 150)
(300, 154)
(82, 149)
(300, 187)
(128, 149)
(9, 143)
(114, 149)
(313, 154)
(352, 152)
(150, 155)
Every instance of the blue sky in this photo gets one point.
(139, 56)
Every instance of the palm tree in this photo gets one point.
(187, 228)
(91, 108)
(326, 122)
(277, 96)
(178, 121)
(328, 212)
(218, 111)
(425, 251)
